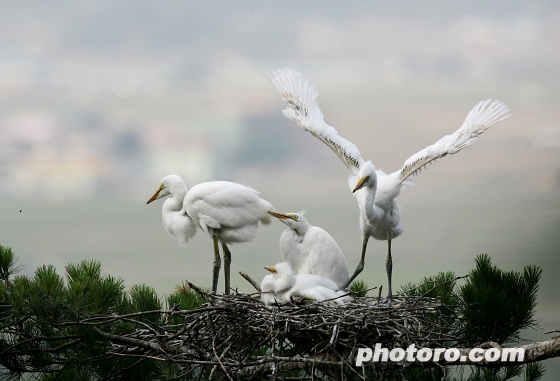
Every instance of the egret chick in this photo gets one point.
(267, 291)
(286, 283)
(311, 250)
(376, 191)
(228, 212)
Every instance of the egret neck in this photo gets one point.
(175, 203)
(371, 213)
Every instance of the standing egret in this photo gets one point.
(311, 250)
(227, 212)
(375, 190)
(285, 283)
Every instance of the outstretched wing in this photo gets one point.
(303, 109)
(484, 115)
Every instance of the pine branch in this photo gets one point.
(49, 325)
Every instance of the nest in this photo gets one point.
(241, 338)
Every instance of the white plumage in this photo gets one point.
(283, 283)
(175, 219)
(311, 250)
(267, 291)
(376, 191)
(227, 212)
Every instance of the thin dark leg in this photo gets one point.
(227, 266)
(389, 266)
(360, 267)
(217, 265)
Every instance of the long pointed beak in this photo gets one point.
(155, 196)
(272, 269)
(360, 184)
(280, 216)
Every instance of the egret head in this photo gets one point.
(171, 184)
(295, 221)
(280, 270)
(367, 177)
(285, 278)
(272, 269)
(290, 219)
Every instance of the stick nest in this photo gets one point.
(238, 336)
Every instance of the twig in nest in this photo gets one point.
(555, 331)
(197, 289)
(218, 357)
(242, 337)
(250, 280)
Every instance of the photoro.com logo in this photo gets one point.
(450, 355)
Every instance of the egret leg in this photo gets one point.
(217, 265)
(360, 267)
(389, 267)
(227, 266)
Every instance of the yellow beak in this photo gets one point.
(156, 195)
(360, 184)
(272, 269)
(280, 216)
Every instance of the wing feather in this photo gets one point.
(484, 115)
(222, 204)
(303, 109)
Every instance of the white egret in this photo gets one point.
(375, 190)
(311, 250)
(267, 291)
(228, 212)
(285, 283)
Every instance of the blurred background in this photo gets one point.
(100, 99)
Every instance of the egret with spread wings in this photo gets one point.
(228, 212)
(376, 191)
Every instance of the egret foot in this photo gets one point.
(389, 268)
(388, 300)
(217, 265)
(360, 266)
(227, 267)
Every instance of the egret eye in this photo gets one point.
(295, 217)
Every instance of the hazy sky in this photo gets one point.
(122, 90)
(405, 40)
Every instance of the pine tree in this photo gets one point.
(86, 326)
